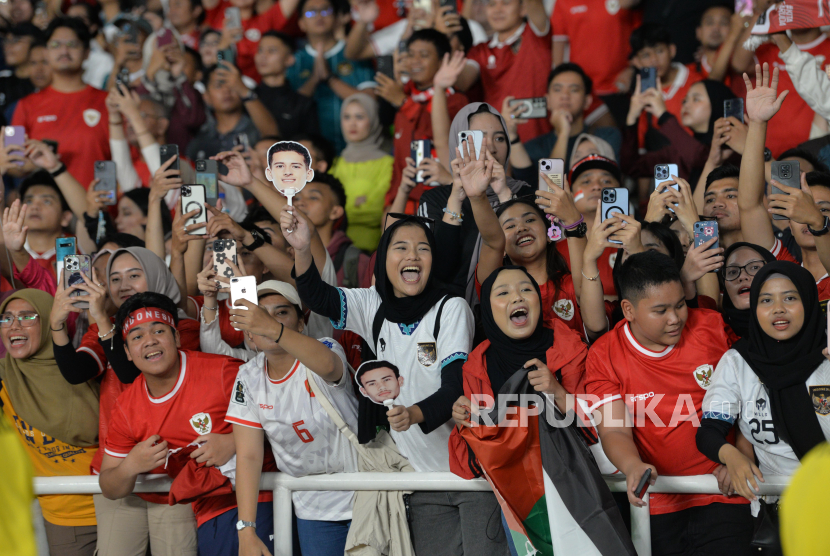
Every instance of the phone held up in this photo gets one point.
(193, 198)
(704, 231)
(243, 287)
(473, 136)
(554, 168)
(614, 201)
(74, 266)
(105, 174)
(786, 172)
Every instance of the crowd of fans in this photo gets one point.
(373, 170)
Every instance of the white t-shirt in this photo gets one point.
(419, 357)
(385, 41)
(318, 325)
(736, 393)
(302, 436)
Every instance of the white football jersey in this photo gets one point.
(419, 357)
(736, 393)
(302, 436)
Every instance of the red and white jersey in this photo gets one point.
(605, 264)
(78, 121)
(303, 438)
(673, 94)
(592, 26)
(195, 406)
(522, 74)
(781, 253)
(823, 286)
(791, 126)
(664, 392)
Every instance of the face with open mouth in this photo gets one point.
(525, 232)
(780, 311)
(21, 342)
(408, 261)
(738, 289)
(153, 347)
(515, 304)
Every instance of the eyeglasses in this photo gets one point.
(732, 273)
(26, 321)
(325, 13)
(428, 222)
(55, 45)
(13, 39)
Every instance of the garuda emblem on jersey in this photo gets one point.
(564, 309)
(821, 399)
(427, 354)
(238, 393)
(91, 117)
(703, 376)
(201, 423)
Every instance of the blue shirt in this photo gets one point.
(358, 74)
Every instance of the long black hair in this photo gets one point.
(141, 197)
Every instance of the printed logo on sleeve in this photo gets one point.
(239, 393)
(821, 399)
(703, 376)
(201, 423)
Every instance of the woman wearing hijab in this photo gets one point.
(56, 421)
(742, 261)
(702, 106)
(134, 520)
(409, 320)
(587, 144)
(461, 243)
(772, 382)
(364, 169)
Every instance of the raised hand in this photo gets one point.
(42, 155)
(164, 179)
(14, 232)
(475, 174)
(222, 221)
(558, 201)
(239, 175)
(700, 260)
(251, 318)
(761, 101)
(296, 228)
(451, 68)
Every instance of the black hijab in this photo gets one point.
(505, 355)
(738, 319)
(718, 92)
(784, 366)
(405, 310)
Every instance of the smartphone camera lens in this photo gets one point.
(200, 166)
(185, 192)
(786, 171)
(546, 165)
(662, 172)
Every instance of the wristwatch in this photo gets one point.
(240, 525)
(250, 96)
(767, 154)
(580, 230)
(258, 242)
(822, 231)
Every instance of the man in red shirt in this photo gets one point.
(516, 61)
(652, 47)
(179, 400)
(649, 376)
(68, 111)
(719, 33)
(589, 27)
(185, 16)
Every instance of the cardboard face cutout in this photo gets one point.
(289, 168)
(381, 385)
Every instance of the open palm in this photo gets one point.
(239, 175)
(475, 177)
(763, 101)
(449, 71)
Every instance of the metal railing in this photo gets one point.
(283, 485)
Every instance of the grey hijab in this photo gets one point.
(370, 148)
(158, 276)
(604, 147)
(461, 122)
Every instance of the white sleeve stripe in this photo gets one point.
(536, 31)
(600, 403)
(114, 454)
(474, 63)
(94, 356)
(561, 38)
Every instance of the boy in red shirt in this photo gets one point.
(517, 59)
(179, 400)
(650, 374)
(68, 111)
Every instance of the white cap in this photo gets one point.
(285, 289)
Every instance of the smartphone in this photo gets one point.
(242, 139)
(164, 36)
(451, 3)
(52, 144)
(744, 7)
(664, 172)
(16, 135)
(386, 66)
(787, 172)
(123, 77)
(226, 55)
(74, 266)
(419, 150)
(648, 79)
(614, 200)
(705, 231)
(167, 152)
(734, 107)
(130, 33)
(206, 171)
(193, 197)
(474, 136)
(224, 250)
(105, 174)
(233, 18)
(554, 168)
(243, 287)
(642, 486)
(64, 246)
(536, 107)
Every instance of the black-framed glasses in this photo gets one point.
(428, 222)
(27, 320)
(731, 273)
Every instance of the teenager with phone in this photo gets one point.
(661, 357)
(774, 377)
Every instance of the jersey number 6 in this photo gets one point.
(304, 435)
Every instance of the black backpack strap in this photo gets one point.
(437, 328)
(377, 324)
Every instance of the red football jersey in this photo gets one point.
(673, 94)
(605, 265)
(781, 253)
(791, 126)
(592, 26)
(664, 393)
(823, 286)
(78, 121)
(522, 74)
(195, 406)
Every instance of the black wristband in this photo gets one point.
(60, 170)
(280, 336)
(515, 141)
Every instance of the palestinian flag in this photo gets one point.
(547, 482)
